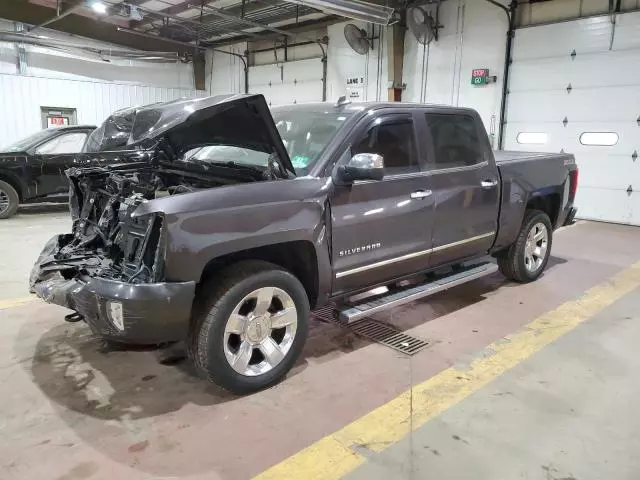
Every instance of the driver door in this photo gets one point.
(381, 230)
(55, 156)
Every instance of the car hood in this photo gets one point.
(181, 125)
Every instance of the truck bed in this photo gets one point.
(525, 176)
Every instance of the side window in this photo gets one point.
(67, 143)
(455, 140)
(395, 141)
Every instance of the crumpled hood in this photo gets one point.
(181, 125)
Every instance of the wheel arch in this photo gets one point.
(14, 182)
(298, 257)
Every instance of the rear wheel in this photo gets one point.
(252, 328)
(9, 200)
(526, 259)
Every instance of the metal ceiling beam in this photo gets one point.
(252, 24)
(197, 23)
(298, 28)
(34, 14)
(184, 6)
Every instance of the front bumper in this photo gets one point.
(144, 313)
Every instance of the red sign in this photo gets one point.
(58, 121)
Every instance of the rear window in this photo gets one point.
(456, 141)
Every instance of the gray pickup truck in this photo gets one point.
(224, 224)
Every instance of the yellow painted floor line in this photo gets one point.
(16, 302)
(338, 454)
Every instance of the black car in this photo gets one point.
(33, 168)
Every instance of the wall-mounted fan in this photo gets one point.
(357, 38)
(422, 24)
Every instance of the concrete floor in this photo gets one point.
(71, 410)
(567, 413)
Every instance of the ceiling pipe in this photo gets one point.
(185, 44)
(101, 53)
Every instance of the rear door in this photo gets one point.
(54, 156)
(465, 184)
(382, 229)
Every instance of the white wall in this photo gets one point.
(473, 36)
(344, 63)
(93, 87)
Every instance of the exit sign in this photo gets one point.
(480, 76)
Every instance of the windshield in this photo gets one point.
(26, 143)
(304, 133)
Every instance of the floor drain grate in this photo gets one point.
(375, 330)
(327, 313)
(387, 335)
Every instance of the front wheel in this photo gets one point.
(253, 326)
(526, 259)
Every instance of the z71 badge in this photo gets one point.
(361, 249)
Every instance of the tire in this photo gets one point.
(513, 262)
(215, 343)
(9, 200)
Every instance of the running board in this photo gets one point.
(353, 312)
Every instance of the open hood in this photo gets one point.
(181, 125)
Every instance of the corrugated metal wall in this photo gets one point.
(22, 96)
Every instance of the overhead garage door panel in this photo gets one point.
(604, 97)
(609, 205)
(552, 73)
(559, 40)
(298, 81)
(559, 137)
(612, 104)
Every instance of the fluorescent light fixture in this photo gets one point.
(99, 7)
(355, 9)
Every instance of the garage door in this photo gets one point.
(299, 81)
(575, 87)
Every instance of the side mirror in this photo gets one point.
(362, 166)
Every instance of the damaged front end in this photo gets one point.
(110, 268)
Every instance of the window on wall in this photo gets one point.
(395, 141)
(602, 139)
(532, 138)
(455, 140)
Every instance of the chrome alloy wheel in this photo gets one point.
(260, 331)
(535, 250)
(4, 201)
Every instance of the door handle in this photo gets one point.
(488, 183)
(418, 194)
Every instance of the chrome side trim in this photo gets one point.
(462, 242)
(409, 256)
(466, 168)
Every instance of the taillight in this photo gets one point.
(573, 187)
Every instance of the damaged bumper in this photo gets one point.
(140, 313)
